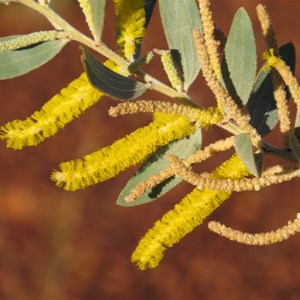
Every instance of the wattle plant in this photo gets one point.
(248, 104)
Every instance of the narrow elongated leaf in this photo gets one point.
(140, 62)
(294, 146)
(94, 13)
(157, 162)
(19, 62)
(149, 6)
(297, 125)
(180, 18)
(109, 82)
(239, 64)
(261, 105)
(244, 149)
(294, 139)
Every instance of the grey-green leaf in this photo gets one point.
(155, 163)
(140, 62)
(239, 63)
(297, 125)
(97, 11)
(149, 6)
(294, 146)
(109, 82)
(18, 62)
(244, 149)
(261, 105)
(180, 18)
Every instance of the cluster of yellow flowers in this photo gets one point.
(170, 122)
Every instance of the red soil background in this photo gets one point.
(76, 246)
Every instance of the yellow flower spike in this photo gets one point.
(55, 114)
(211, 115)
(130, 25)
(271, 59)
(233, 168)
(174, 225)
(124, 153)
(184, 217)
(285, 73)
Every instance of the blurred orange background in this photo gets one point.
(61, 245)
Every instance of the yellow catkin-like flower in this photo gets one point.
(185, 216)
(285, 73)
(130, 25)
(271, 59)
(55, 114)
(124, 153)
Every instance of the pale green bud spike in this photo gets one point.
(171, 71)
(20, 41)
